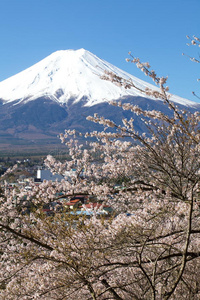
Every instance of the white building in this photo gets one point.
(45, 174)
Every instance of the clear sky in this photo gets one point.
(154, 30)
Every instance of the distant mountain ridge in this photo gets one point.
(59, 92)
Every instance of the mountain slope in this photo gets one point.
(70, 74)
(59, 92)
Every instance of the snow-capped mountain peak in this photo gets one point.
(68, 74)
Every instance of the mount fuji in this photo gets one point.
(60, 91)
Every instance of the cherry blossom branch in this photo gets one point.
(31, 239)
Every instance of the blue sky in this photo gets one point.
(154, 30)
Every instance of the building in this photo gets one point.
(46, 174)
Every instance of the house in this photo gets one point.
(73, 204)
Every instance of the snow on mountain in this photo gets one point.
(68, 74)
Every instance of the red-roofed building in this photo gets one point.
(72, 204)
